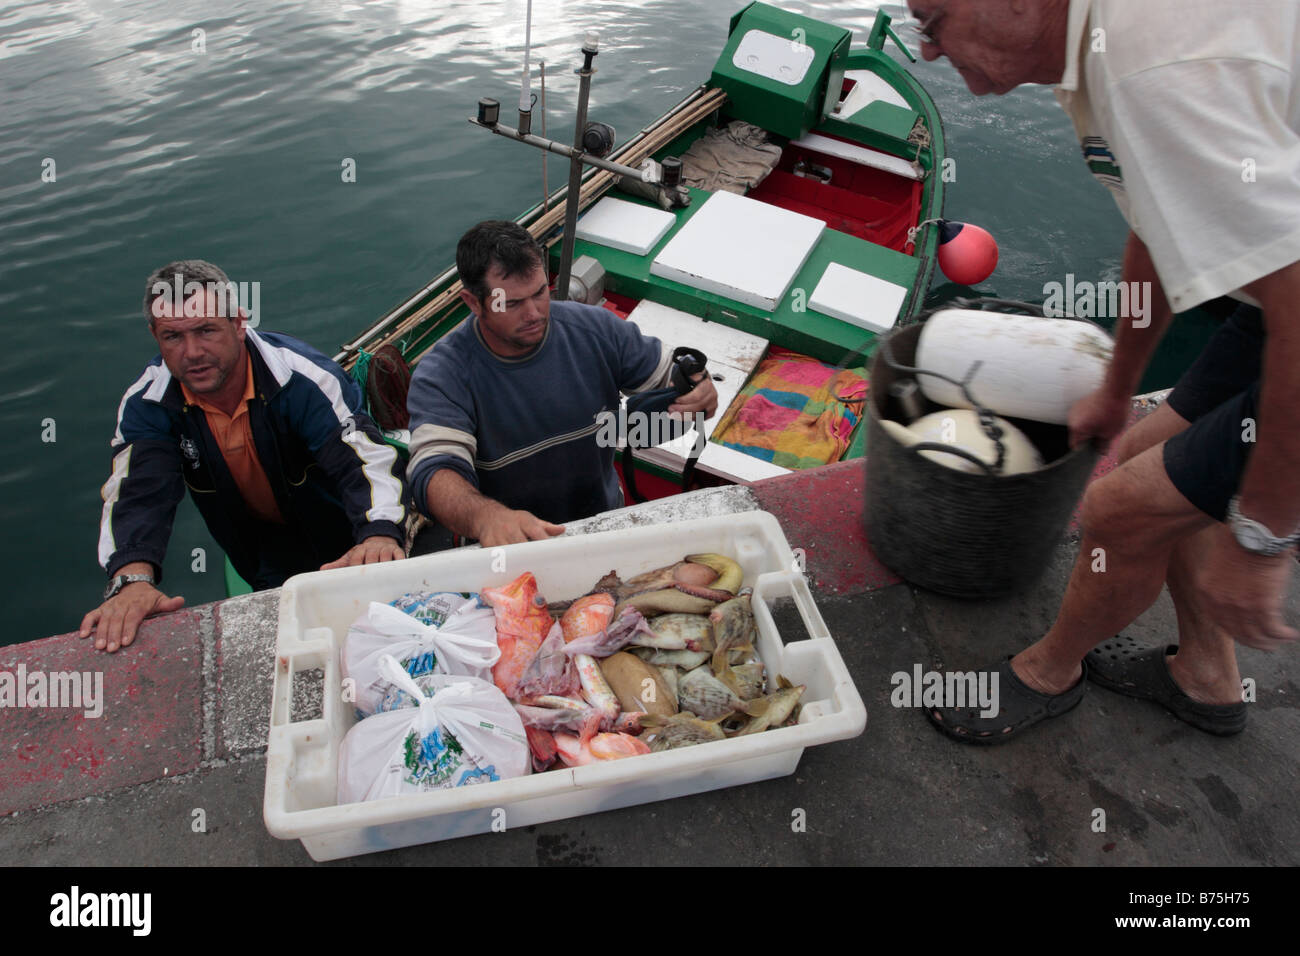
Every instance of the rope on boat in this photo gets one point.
(913, 230)
(920, 137)
(361, 369)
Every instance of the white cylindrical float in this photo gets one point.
(1031, 367)
(960, 427)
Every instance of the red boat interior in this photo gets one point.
(868, 203)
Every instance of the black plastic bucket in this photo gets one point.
(958, 533)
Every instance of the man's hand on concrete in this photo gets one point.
(372, 550)
(505, 526)
(1099, 415)
(702, 398)
(1243, 592)
(116, 621)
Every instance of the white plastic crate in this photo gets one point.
(316, 610)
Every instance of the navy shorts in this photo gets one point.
(1217, 394)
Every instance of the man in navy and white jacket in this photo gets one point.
(269, 435)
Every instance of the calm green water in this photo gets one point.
(234, 155)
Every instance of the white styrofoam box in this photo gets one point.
(774, 57)
(719, 342)
(316, 609)
(858, 297)
(624, 225)
(861, 155)
(740, 248)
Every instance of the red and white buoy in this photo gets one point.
(968, 254)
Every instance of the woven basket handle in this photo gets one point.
(953, 450)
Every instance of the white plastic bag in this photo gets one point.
(465, 643)
(466, 733)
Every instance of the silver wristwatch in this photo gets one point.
(122, 580)
(1253, 536)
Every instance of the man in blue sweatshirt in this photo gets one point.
(505, 411)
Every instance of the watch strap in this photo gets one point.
(1243, 528)
(122, 580)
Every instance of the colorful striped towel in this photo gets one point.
(795, 412)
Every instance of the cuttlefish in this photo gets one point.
(692, 586)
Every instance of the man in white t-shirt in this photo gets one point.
(1189, 113)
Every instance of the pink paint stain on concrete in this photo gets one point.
(822, 514)
(151, 715)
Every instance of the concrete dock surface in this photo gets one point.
(181, 741)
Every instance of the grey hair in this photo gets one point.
(190, 270)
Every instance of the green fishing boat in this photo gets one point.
(789, 209)
(791, 202)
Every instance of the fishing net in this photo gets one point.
(385, 379)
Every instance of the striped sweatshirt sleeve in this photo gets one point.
(443, 425)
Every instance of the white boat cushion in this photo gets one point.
(852, 296)
(740, 248)
(624, 225)
(774, 57)
(869, 88)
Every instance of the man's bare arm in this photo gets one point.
(1103, 413)
(1270, 488)
(464, 510)
(1136, 339)
(373, 550)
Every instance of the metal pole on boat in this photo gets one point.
(490, 110)
(590, 47)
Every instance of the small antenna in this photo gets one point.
(526, 83)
